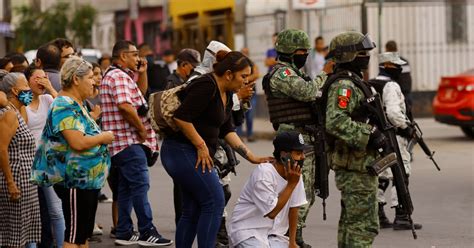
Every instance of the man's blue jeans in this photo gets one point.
(249, 115)
(203, 197)
(134, 184)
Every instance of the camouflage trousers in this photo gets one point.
(308, 172)
(358, 223)
(309, 175)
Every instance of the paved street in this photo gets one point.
(443, 200)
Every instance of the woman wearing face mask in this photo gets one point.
(203, 117)
(19, 207)
(72, 154)
(37, 112)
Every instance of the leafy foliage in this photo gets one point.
(36, 28)
(81, 25)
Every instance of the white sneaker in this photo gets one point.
(97, 230)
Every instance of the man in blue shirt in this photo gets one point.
(271, 55)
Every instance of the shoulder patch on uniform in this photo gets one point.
(285, 73)
(343, 97)
(343, 91)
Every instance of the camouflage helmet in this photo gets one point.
(290, 40)
(345, 47)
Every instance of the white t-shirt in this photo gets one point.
(258, 198)
(37, 118)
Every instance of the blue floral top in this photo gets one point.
(56, 162)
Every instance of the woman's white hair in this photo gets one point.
(74, 66)
(8, 81)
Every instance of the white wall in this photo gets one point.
(103, 32)
(261, 24)
(258, 39)
(420, 31)
(262, 7)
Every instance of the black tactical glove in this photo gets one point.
(377, 139)
(407, 132)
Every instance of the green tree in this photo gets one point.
(55, 22)
(36, 28)
(26, 32)
(81, 25)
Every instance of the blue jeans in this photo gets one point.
(56, 216)
(133, 187)
(249, 115)
(203, 197)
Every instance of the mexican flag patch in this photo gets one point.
(343, 97)
(344, 92)
(285, 73)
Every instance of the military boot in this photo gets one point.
(401, 221)
(222, 240)
(383, 220)
(299, 239)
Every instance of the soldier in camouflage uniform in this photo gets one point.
(355, 143)
(289, 93)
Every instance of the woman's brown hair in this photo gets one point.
(232, 61)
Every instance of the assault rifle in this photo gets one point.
(224, 169)
(418, 138)
(318, 138)
(373, 105)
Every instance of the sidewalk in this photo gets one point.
(263, 129)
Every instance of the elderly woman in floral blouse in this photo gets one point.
(72, 154)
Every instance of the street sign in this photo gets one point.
(308, 4)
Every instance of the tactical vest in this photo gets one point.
(286, 110)
(379, 84)
(341, 155)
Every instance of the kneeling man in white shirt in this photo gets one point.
(268, 206)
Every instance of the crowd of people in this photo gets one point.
(69, 126)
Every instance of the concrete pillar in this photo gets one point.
(294, 18)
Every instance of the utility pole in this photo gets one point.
(308, 22)
(379, 36)
(294, 17)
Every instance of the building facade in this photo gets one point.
(141, 21)
(437, 37)
(196, 22)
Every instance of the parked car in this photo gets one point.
(89, 54)
(454, 102)
(30, 56)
